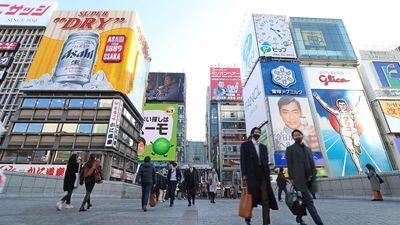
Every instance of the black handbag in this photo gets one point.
(295, 203)
(380, 179)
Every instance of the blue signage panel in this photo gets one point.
(280, 159)
(282, 79)
(388, 73)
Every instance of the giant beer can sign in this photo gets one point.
(92, 51)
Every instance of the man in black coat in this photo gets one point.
(256, 174)
(147, 176)
(302, 173)
(173, 178)
(191, 183)
(281, 182)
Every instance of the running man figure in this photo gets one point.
(347, 129)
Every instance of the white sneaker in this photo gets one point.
(69, 206)
(59, 205)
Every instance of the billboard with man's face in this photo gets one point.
(168, 87)
(92, 51)
(287, 114)
(225, 84)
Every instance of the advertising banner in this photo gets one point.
(332, 78)
(388, 74)
(318, 38)
(273, 36)
(91, 51)
(9, 46)
(250, 53)
(26, 13)
(282, 78)
(5, 61)
(380, 55)
(349, 132)
(280, 159)
(255, 111)
(168, 87)
(114, 123)
(391, 110)
(51, 170)
(288, 114)
(160, 129)
(225, 84)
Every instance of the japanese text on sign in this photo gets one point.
(114, 48)
(9, 46)
(22, 10)
(113, 125)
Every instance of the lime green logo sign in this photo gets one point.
(160, 130)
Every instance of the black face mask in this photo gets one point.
(256, 136)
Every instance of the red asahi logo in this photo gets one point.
(326, 79)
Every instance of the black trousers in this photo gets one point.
(191, 195)
(146, 192)
(171, 191)
(89, 188)
(280, 189)
(308, 201)
(67, 197)
(212, 195)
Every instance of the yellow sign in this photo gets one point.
(390, 108)
(92, 50)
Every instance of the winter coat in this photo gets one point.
(191, 179)
(281, 180)
(214, 182)
(373, 179)
(249, 168)
(146, 173)
(301, 166)
(70, 176)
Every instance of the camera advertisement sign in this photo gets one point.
(92, 51)
(160, 131)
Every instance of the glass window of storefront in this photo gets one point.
(233, 125)
(85, 128)
(57, 103)
(29, 102)
(321, 39)
(90, 103)
(24, 156)
(50, 127)
(100, 128)
(69, 128)
(75, 103)
(62, 157)
(9, 156)
(20, 127)
(35, 128)
(41, 156)
(105, 103)
(43, 102)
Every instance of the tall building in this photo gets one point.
(195, 152)
(301, 73)
(169, 90)
(19, 41)
(225, 123)
(85, 96)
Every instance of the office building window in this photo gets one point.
(69, 128)
(100, 128)
(62, 157)
(50, 127)
(20, 127)
(35, 128)
(75, 103)
(57, 103)
(43, 102)
(24, 156)
(105, 103)
(91, 103)
(9, 156)
(85, 128)
(29, 102)
(41, 156)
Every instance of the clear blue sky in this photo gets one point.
(192, 35)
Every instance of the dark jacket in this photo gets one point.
(248, 166)
(191, 179)
(161, 182)
(281, 180)
(69, 178)
(146, 173)
(301, 166)
(178, 175)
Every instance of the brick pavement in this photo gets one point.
(41, 211)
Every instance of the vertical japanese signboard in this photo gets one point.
(113, 125)
(160, 130)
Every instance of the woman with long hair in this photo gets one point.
(375, 181)
(69, 182)
(88, 176)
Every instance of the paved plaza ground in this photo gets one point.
(42, 211)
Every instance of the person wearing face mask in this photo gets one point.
(256, 175)
(302, 173)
